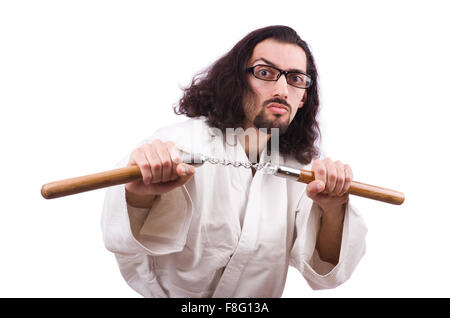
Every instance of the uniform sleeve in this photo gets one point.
(157, 231)
(320, 274)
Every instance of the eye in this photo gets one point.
(297, 78)
(265, 72)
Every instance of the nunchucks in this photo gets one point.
(114, 177)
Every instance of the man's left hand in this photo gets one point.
(332, 181)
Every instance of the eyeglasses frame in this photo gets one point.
(280, 72)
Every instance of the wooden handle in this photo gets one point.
(124, 175)
(363, 190)
(90, 182)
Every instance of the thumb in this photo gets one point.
(183, 169)
(315, 187)
(185, 172)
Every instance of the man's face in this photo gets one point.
(274, 104)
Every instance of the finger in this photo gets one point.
(182, 179)
(166, 161)
(340, 180)
(183, 169)
(174, 152)
(155, 162)
(138, 157)
(314, 188)
(331, 176)
(320, 171)
(175, 155)
(348, 178)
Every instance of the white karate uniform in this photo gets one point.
(225, 233)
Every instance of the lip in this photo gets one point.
(278, 108)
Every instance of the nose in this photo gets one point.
(281, 87)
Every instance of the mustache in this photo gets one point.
(279, 101)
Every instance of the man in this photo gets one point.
(219, 231)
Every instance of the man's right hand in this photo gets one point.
(162, 170)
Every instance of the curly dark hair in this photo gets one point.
(217, 93)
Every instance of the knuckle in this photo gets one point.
(321, 170)
(348, 179)
(145, 169)
(166, 164)
(332, 176)
(156, 167)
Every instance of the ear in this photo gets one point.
(303, 100)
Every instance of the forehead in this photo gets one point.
(283, 55)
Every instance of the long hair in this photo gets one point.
(218, 94)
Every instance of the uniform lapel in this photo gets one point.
(263, 222)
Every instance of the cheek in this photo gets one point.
(260, 89)
(253, 99)
(300, 96)
(250, 105)
(294, 112)
(296, 104)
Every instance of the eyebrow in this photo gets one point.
(273, 64)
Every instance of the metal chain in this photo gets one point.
(236, 164)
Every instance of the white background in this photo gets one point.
(83, 82)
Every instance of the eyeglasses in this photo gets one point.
(272, 74)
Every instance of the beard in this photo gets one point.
(262, 120)
(268, 121)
